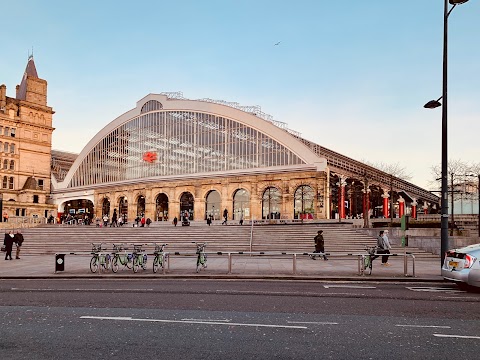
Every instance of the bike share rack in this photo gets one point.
(60, 259)
(405, 262)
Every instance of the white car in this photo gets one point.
(463, 266)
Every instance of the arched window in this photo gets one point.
(105, 206)
(141, 205)
(5, 182)
(5, 147)
(12, 148)
(241, 205)
(12, 165)
(212, 205)
(123, 209)
(303, 202)
(161, 203)
(1, 146)
(151, 105)
(186, 205)
(5, 164)
(7, 131)
(10, 183)
(271, 203)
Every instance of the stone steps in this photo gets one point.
(267, 238)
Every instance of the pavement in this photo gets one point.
(242, 267)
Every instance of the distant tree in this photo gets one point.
(394, 169)
(456, 168)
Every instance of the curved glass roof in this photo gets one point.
(165, 142)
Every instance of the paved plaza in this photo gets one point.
(242, 267)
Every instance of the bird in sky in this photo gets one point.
(278, 43)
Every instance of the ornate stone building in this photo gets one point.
(25, 147)
(171, 156)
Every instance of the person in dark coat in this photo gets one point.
(319, 245)
(19, 241)
(175, 220)
(8, 242)
(225, 216)
(114, 219)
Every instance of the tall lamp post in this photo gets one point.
(434, 104)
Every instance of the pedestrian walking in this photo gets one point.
(225, 216)
(148, 222)
(142, 221)
(105, 220)
(8, 243)
(209, 220)
(18, 238)
(383, 245)
(114, 222)
(319, 245)
(175, 221)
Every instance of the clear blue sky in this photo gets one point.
(349, 75)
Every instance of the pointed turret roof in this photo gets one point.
(30, 71)
(30, 184)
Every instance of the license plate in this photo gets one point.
(453, 264)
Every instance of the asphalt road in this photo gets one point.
(211, 319)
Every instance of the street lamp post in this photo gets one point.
(433, 104)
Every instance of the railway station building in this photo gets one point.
(170, 156)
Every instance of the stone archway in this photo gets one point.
(271, 203)
(105, 206)
(213, 204)
(186, 205)
(140, 205)
(241, 205)
(303, 202)
(123, 209)
(161, 207)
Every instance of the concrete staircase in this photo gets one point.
(339, 238)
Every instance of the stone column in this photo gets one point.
(414, 209)
(425, 208)
(366, 203)
(352, 199)
(341, 198)
(385, 197)
(401, 207)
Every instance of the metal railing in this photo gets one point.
(293, 255)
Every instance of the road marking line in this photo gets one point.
(349, 286)
(457, 336)
(222, 320)
(313, 322)
(433, 289)
(258, 292)
(191, 322)
(459, 297)
(292, 293)
(425, 326)
(124, 289)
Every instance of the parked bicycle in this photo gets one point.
(368, 259)
(99, 258)
(201, 256)
(160, 258)
(139, 258)
(120, 255)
